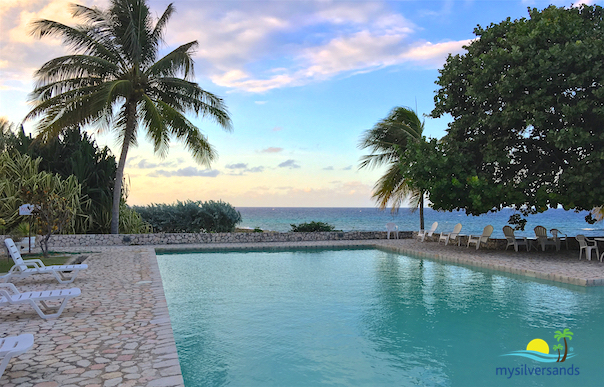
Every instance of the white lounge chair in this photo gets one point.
(450, 236)
(584, 245)
(9, 295)
(478, 239)
(63, 273)
(391, 227)
(422, 234)
(512, 240)
(14, 346)
(543, 240)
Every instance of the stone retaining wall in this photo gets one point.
(189, 238)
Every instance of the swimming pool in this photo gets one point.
(365, 317)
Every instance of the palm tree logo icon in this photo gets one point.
(566, 334)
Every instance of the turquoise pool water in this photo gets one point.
(373, 318)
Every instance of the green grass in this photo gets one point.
(54, 259)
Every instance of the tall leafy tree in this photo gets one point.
(527, 106)
(387, 141)
(115, 81)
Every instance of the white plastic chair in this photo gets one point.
(584, 245)
(558, 238)
(391, 227)
(422, 234)
(512, 240)
(543, 240)
(478, 239)
(450, 236)
(9, 295)
(24, 268)
(14, 346)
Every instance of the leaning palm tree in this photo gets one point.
(566, 334)
(115, 81)
(558, 347)
(386, 140)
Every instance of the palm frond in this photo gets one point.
(176, 62)
(84, 41)
(155, 127)
(158, 31)
(184, 130)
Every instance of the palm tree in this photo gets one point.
(386, 141)
(564, 335)
(114, 81)
(558, 347)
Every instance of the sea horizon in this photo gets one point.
(373, 219)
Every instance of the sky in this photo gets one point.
(302, 81)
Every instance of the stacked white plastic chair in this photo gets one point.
(584, 245)
(391, 227)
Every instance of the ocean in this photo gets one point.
(372, 219)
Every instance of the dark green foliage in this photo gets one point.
(312, 227)
(517, 221)
(76, 153)
(191, 216)
(527, 102)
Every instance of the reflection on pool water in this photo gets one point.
(373, 318)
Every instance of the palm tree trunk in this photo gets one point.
(565, 351)
(558, 356)
(421, 212)
(119, 174)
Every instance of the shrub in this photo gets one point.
(131, 221)
(312, 227)
(190, 216)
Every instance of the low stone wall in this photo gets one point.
(189, 238)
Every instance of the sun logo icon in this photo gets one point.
(539, 350)
(538, 345)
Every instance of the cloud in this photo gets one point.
(330, 168)
(252, 46)
(277, 129)
(236, 166)
(260, 102)
(271, 150)
(289, 164)
(143, 164)
(243, 168)
(186, 172)
(348, 168)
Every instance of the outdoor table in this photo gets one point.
(531, 242)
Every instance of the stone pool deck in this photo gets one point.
(118, 332)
